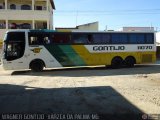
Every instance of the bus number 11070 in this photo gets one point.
(145, 47)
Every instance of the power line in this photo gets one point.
(93, 11)
(109, 12)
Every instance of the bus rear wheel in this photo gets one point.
(116, 62)
(130, 61)
(37, 66)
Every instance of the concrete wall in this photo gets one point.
(24, 15)
(2, 32)
(86, 27)
(158, 38)
(89, 26)
(147, 29)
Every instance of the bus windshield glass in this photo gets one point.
(14, 45)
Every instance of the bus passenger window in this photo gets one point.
(32, 37)
(140, 39)
(79, 38)
(118, 38)
(46, 40)
(51, 39)
(97, 38)
(38, 38)
(101, 38)
(89, 39)
(33, 41)
(61, 38)
(115, 38)
(137, 38)
(133, 38)
(106, 38)
(124, 38)
(149, 38)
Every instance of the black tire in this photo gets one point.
(116, 62)
(130, 61)
(37, 66)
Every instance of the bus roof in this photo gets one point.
(44, 30)
(89, 31)
(77, 31)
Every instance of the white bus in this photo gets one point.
(38, 49)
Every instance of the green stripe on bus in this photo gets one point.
(72, 55)
(65, 55)
(59, 55)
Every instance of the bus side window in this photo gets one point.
(32, 39)
(51, 38)
(47, 40)
(133, 38)
(97, 38)
(115, 38)
(89, 39)
(106, 38)
(79, 38)
(120, 38)
(124, 38)
(149, 38)
(61, 38)
(38, 39)
(101, 38)
(140, 39)
(137, 38)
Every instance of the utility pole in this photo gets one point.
(106, 28)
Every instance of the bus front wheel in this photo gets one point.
(37, 66)
(116, 62)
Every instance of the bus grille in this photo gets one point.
(147, 58)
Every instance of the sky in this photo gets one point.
(111, 14)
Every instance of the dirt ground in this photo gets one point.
(82, 90)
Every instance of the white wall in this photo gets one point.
(158, 37)
(89, 26)
(2, 32)
(24, 15)
(146, 29)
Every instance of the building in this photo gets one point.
(158, 38)
(146, 29)
(89, 27)
(25, 14)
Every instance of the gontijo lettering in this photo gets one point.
(108, 48)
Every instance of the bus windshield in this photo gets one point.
(14, 45)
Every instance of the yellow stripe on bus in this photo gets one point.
(106, 58)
